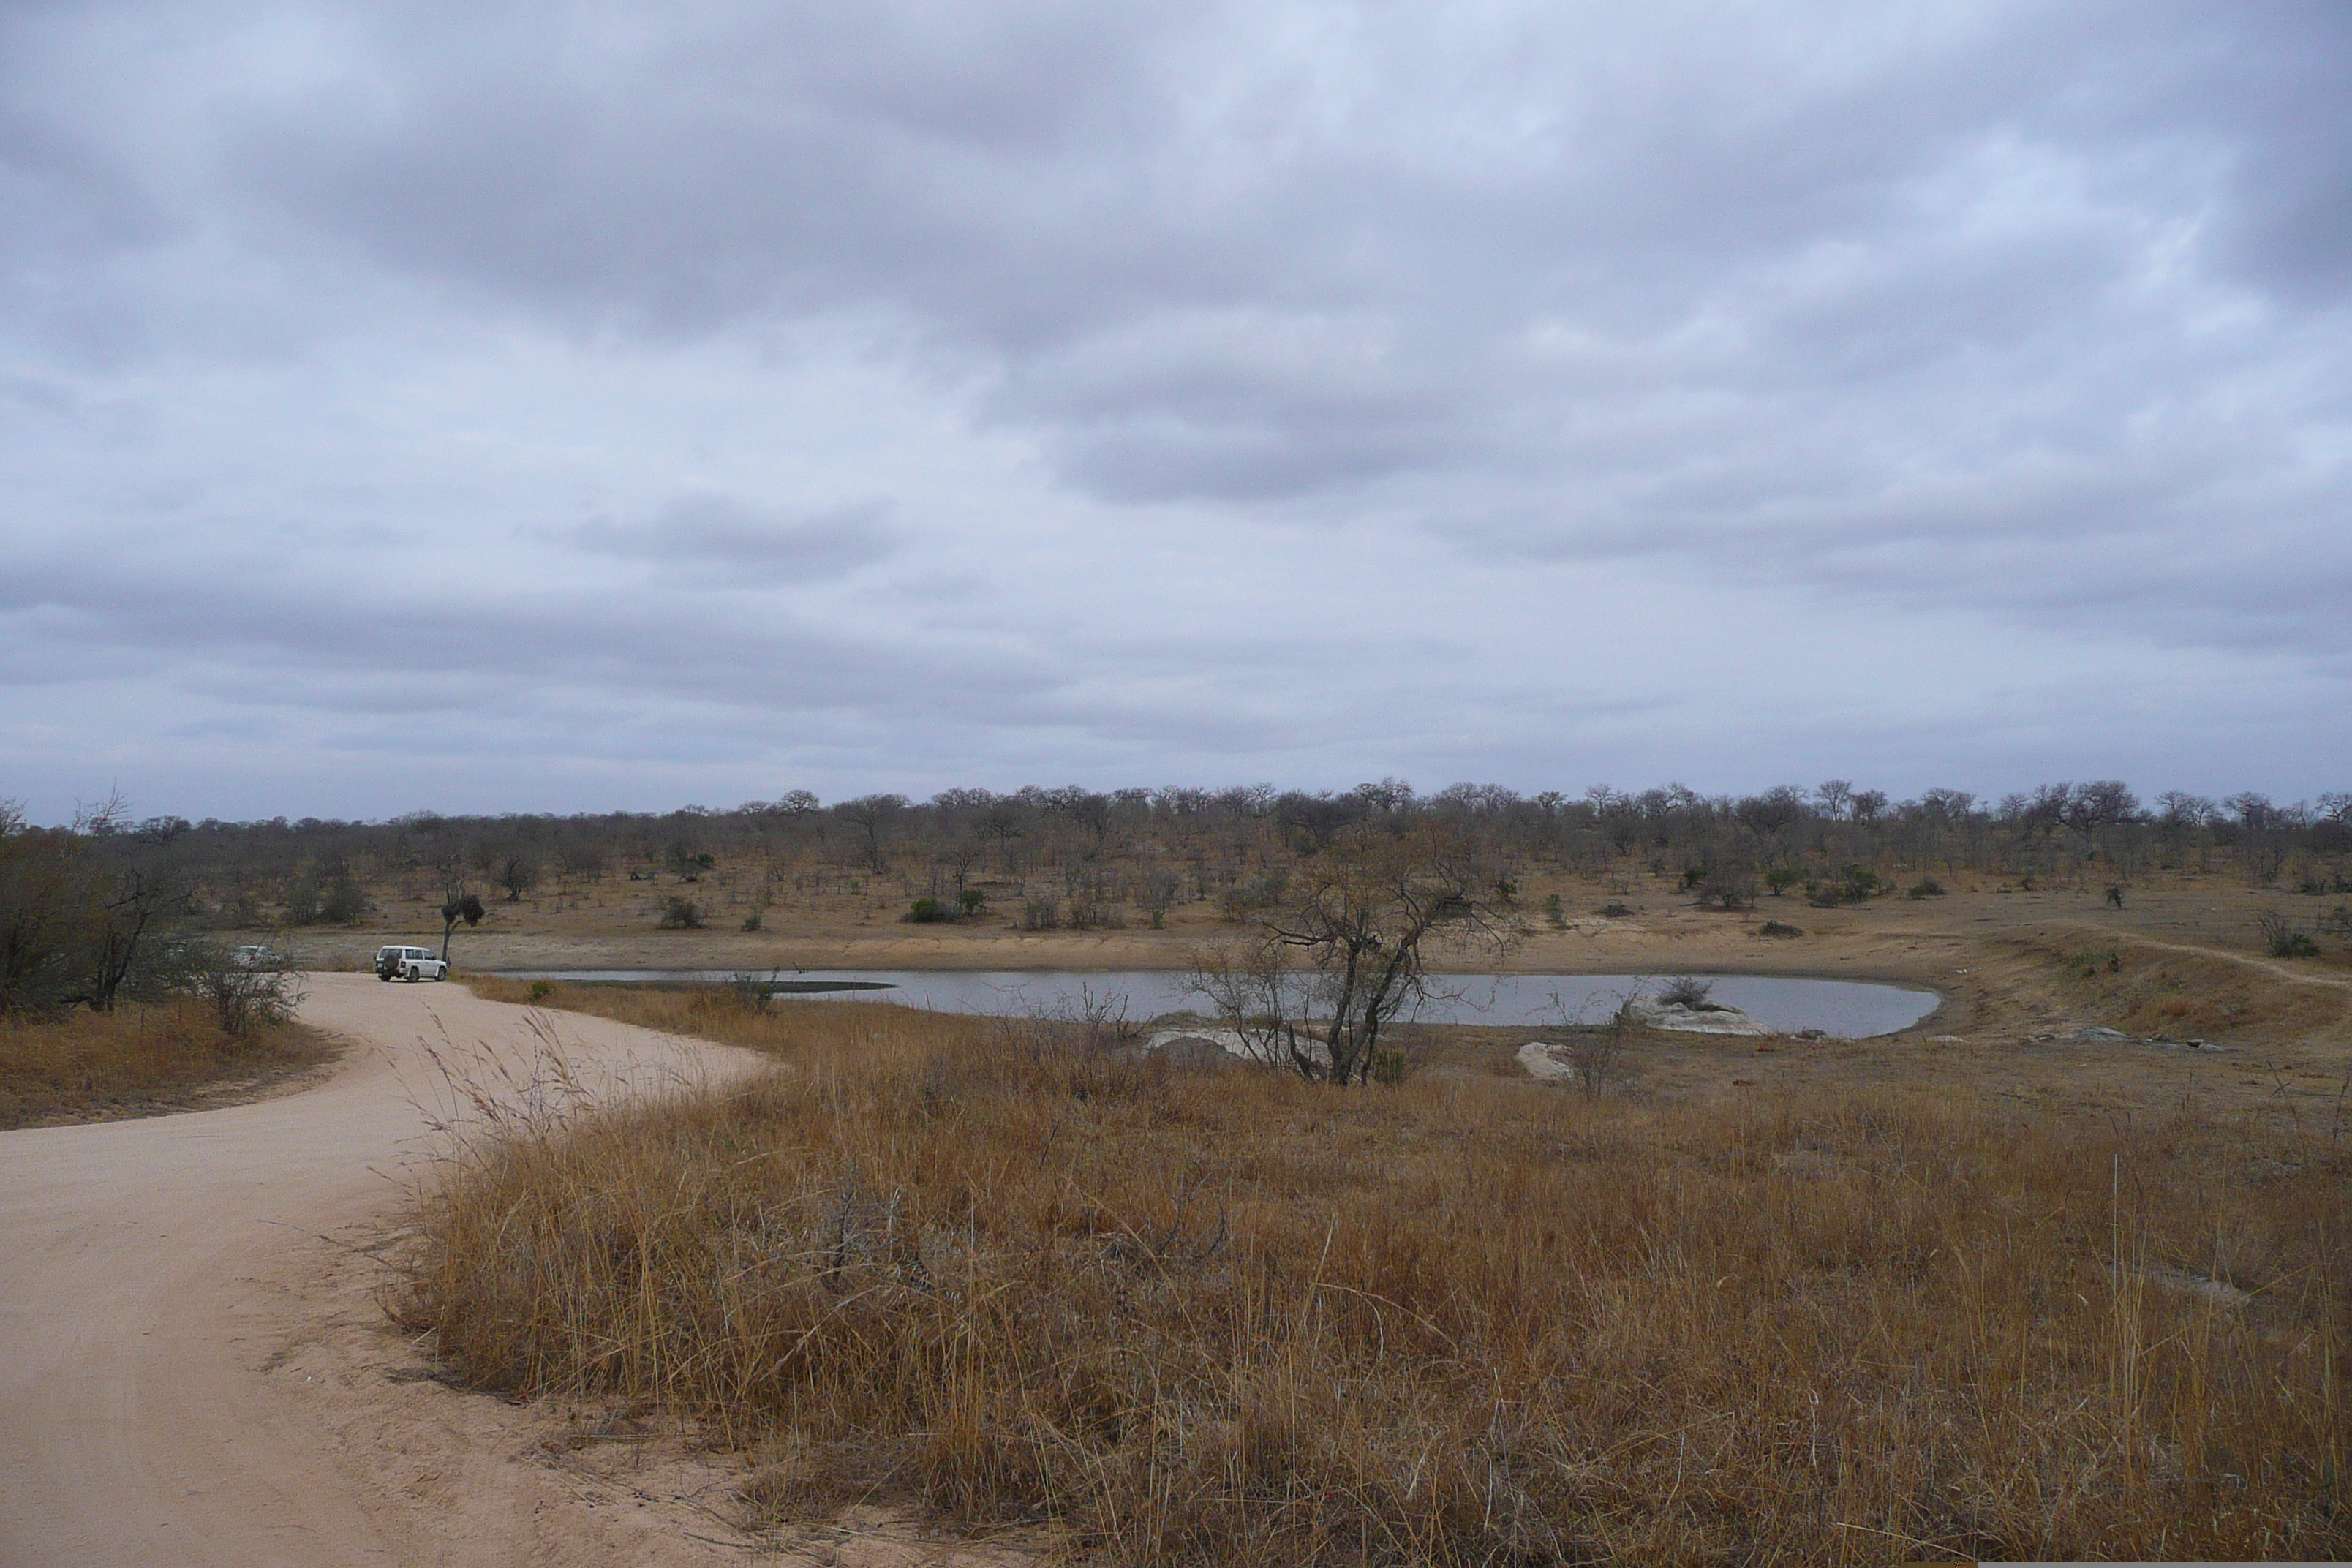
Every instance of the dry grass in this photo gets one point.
(706, 1012)
(136, 1061)
(2145, 988)
(1230, 1317)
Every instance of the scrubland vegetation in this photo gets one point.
(138, 1058)
(1001, 1272)
(109, 1004)
(1077, 860)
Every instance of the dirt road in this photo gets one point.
(194, 1366)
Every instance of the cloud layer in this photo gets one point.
(558, 406)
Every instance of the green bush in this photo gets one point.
(2281, 939)
(928, 911)
(680, 913)
(1728, 887)
(1855, 885)
(1927, 887)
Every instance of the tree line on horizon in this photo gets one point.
(78, 901)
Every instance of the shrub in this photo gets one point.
(680, 913)
(1616, 912)
(541, 990)
(245, 999)
(1686, 991)
(751, 920)
(1779, 928)
(1780, 879)
(971, 902)
(1552, 910)
(750, 989)
(2089, 965)
(1855, 885)
(1238, 902)
(1160, 887)
(2281, 939)
(1728, 887)
(928, 912)
(1927, 887)
(1043, 912)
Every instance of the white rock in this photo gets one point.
(1544, 1061)
(1251, 1046)
(1711, 1019)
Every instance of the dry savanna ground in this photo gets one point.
(1979, 1289)
(2015, 965)
(1970, 1291)
(837, 919)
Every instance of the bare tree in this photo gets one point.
(872, 815)
(1346, 957)
(44, 899)
(125, 917)
(959, 853)
(1160, 887)
(1002, 820)
(516, 872)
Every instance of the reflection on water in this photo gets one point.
(1847, 1008)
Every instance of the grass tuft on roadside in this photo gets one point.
(1236, 1317)
(138, 1060)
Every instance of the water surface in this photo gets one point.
(1850, 1009)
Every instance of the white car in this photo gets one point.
(409, 963)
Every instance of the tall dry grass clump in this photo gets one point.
(1233, 1317)
(78, 1065)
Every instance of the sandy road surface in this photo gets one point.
(194, 1367)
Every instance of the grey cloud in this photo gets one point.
(2024, 313)
(388, 655)
(716, 535)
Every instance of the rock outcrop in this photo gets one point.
(1545, 1061)
(1249, 1046)
(1705, 1019)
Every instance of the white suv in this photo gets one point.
(409, 963)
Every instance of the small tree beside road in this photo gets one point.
(459, 906)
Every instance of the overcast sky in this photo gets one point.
(572, 406)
